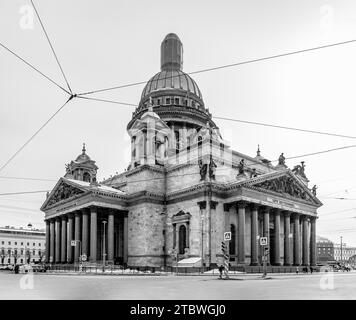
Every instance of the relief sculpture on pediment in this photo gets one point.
(284, 185)
(63, 192)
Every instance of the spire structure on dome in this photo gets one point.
(83, 150)
(171, 53)
(258, 151)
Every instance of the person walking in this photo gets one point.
(221, 269)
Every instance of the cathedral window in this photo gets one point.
(176, 101)
(158, 102)
(193, 104)
(182, 239)
(185, 102)
(86, 177)
(168, 100)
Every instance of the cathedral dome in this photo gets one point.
(173, 79)
(174, 95)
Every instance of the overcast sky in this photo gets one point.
(110, 42)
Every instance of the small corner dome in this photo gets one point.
(83, 157)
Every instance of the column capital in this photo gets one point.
(64, 217)
(213, 204)
(277, 211)
(242, 204)
(286, 213)
(296, 215)
(85, 211)
(254, 206)
(202, 204)
(227, 206)
(111, 211)
(93, 209)
(70, 215)
(78, 213)
(265, 209)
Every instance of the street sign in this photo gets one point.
(84, 257)
(263, 241)
(227, 236)
(266, 251)
(72, 243)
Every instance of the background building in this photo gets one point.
(345, 254)
(325, 249)
(19, 245)
(184, 187)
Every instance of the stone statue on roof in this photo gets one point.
(241, 166)
(314, 189)
(282, 160)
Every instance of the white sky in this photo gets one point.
(107, 43)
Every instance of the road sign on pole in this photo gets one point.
(72, 243)
(224, 249)
(263, 241)
(227, 236)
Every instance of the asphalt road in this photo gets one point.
(51, 286)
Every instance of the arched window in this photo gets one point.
(232, 248)
(182, 239)
(86, 177)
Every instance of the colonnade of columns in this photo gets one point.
(81, 227)
(304, 255)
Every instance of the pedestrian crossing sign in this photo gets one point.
(227, 236)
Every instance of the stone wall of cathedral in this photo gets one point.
(145, 235)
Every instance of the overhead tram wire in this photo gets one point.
(108, 101)
(28, 179)
(226, 66)
(23, 192)
(285, 127)
(33, 67)
(34, 135)
(242, 121)
(50, 44)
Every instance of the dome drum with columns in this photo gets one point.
(183, 189)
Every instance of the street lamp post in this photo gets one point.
(341, 249)
(26, 261)
(104, 253)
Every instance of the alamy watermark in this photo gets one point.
(26, 21)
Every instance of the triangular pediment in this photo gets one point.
(284, 184)
(62, 191)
